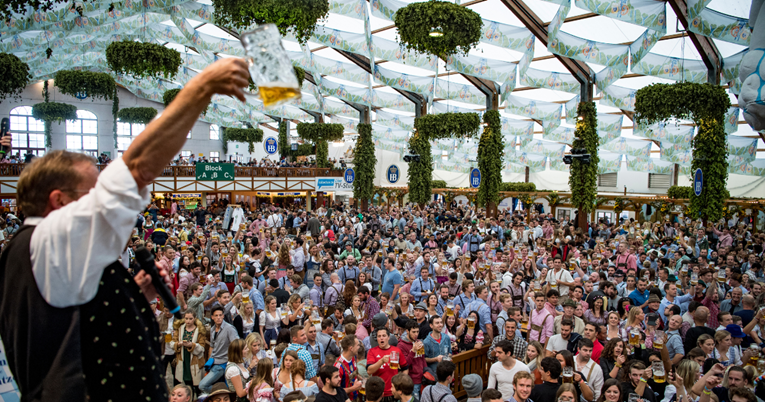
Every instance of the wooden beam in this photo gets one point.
(705, 46)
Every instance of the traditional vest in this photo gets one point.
(106, 349)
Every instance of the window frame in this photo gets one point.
(25, 112)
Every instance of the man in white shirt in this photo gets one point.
(561, 277)
(559, 342)
(502, 372)
(593, 374)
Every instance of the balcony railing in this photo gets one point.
(14, 169)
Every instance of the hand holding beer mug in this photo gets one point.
(658, 340)
(450, 309)
(245, 297)
(270, 66)
(634, 339)
(394, 360)
(659, 376)
(568, 375)
(168, 337)
(471, 321)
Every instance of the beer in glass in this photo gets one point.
(694, 278)
(568, 375)
(168, 337)
(420, 352)
(659, 376)
(721, 276)
(471, 322)
(634, 339)
(394, 359)
(245, 297)
(449, 309)
(270, 66)
(658, 340)
(754, 357)
(553, 284)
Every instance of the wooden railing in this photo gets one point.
(474, 361)
(14, 169)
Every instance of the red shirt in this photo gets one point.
(597, 349)
(385, 372)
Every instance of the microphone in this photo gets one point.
(146, 262)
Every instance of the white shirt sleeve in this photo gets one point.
(71, 246)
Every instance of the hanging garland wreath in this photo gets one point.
(706, 105)
(619, 205)
(137, 115)
(15, 76)
(490, 156)
(518, 187)
(170, 94)
(438, 184)
(428, 128)
(142, 60)
(81, 84)
(248, 135)
(364, 161)
(438, 27)
(320, 134)
(298, 17)
(679, 192)
(50, 112)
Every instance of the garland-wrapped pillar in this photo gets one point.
(319, 134)
(364, 162)
(115, 109)
(283, 142)
(420, 172)
(583, 179)
(490, 154)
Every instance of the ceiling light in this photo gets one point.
(436, 32)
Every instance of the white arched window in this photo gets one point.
(126, 132)
(82, 134)
(214, 132)
(28, 132)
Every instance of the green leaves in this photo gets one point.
(115, 110)
(583, 179)
(518, 187)
(319, 134)
(93, 85)
(298, 17)
(282, 141)
(706, 105)
(433, 127)
(679, 192)
(248, 135)
(137, 115)
(143, 60)
(491, 151)
(438, 184)
(15, 75)
(364, 161)
(170, 95)
(460, 28)
(54, 112)
(448, 125)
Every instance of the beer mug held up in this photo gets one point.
(270, 66)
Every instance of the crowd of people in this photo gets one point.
(309, 162)
(276, 302)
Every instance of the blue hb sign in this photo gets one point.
(350, 175)
(270, 145)
(698, 182)
(475, 178)
(393, 174)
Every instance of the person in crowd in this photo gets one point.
(413, 350)
(501, 372)
(403, 388)
(381, 360)
(347, 366)
(550, 370)
(331, 391)
(441, 390)
(473, 386)
(222, 335)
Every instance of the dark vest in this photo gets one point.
(106, 349)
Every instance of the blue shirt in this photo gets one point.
(637, 298)
(680, 301)
(441, 307)
(257, 300)
(435, 348)
(302, 352)
(316, 351)
(463, 301)
(392, 278)
(346, 274)
(484, 313)
(419, 287)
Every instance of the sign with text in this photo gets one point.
(333, 184)
(215, 171)
(475, 178)
(270, 145)
(393, 174)
(698, 182)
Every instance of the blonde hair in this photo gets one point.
(242, 310)
(689, 370)
(632, 315)
(57, 170)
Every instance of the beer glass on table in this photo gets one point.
(394, 359)
(568, 375)
(270, 66)
(659, 375)
(634, 339)
(658, 340)
(450, 309)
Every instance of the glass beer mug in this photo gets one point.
(245, 297)
(270, 66)
(721, 276)
(634, 337)
(658, 340)
(471, 322)
(168, 337)
(553, 284)
(394, 360)
(450, 309)
(659, 375)
(568, 375)
(694, 278)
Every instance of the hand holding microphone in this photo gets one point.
(148, 266)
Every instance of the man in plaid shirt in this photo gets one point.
(298, 340)
(519, 344)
